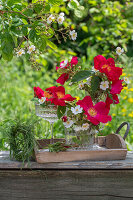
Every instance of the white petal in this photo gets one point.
(61, 14)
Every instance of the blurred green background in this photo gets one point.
(101, 25)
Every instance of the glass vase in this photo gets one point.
(48, 113)
(82, 140)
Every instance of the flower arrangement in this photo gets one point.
(102, 85)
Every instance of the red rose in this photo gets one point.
(95, 113)
(107, 67)
(38, 92)
(74, 61)
(59, 96)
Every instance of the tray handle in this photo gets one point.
(127, 130)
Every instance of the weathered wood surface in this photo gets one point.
(6, 163)
(88, 180)
(66, 184)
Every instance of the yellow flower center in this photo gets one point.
(20, 52)
(60, 95)
(106, 67)
(77, 110)
(119, 50)
(47, 95)
(74, 35)
(92, 112)
(31, 49)
(84, 126)
(104, 85)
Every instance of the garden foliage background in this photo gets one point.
(101, 25)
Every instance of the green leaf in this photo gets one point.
(34, 1)
(73, 4)
(41, 43)
(61, 111)
(15, 30)
(81, 75)
(56, 2)
(24, 30)
(35, 100)
(12, 2)
(46, 8)
(7, 45)
(32, 35)
(24, 21)
(95, 82)
(38, 8)
(28, 12)
(51, 44)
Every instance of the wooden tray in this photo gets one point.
(115, 149)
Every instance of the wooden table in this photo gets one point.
(99, 180)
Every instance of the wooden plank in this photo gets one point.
(6, 163)
(105, 154)
(66, 184)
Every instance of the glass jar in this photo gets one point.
(80, 140)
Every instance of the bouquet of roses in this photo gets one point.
(102, 84)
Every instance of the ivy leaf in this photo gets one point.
(61, 111)
(95, 82)
(56, 2)
(81, 75)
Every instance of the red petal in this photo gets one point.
(68, 97)
(116, 87)
(74, 61)
(60, 89)
(103, 118)
(115, 73)
(59, 102)
(99, 61)
(57, 68)
(111, 62)
(110, 101)
(93, 120)
(51, 89)
(38, 92)
(102, 108)
(63, 78)
(85, 103)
